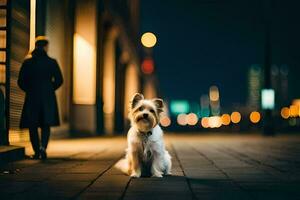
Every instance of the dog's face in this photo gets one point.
(144, 113)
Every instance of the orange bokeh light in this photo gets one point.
(225, 118)
(294, 110)
(182, 119)
(255, 117)
(285, 112)
(192, 119)
(235, 117)
(165, 121)
(205, 122)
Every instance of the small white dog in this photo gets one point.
(146, 153)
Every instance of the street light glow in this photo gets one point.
(148, 40)
(192, 119)
(235, 117)
(255, 117)
(285, 112)
(182, 119)
(225, 118)
(165, 121)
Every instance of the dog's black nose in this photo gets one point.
(145, 115)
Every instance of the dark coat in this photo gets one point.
(39, 77)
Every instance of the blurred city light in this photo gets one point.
(285, 112)
(235, 117)
(182, 119)
(214, 98)
(205, 122)
(255, 117)
(148, 39)
(192, 119)
(215, 122)
(225, 118)
(214, 93)
(148, 66)
(294, 111)
(268, 99)
(32, 29)
(179, 106)
(165, 121)
(296, 102)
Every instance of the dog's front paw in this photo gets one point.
(136, 174)
(157, 175)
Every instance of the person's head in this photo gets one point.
(41, 42)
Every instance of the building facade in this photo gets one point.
(96, 43)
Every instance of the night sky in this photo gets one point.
(214, 42)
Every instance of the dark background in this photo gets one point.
(214, 42)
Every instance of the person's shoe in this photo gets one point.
(36, 156)
(43, 153)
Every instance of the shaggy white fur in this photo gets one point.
(146, 153)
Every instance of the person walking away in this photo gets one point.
(39, 77)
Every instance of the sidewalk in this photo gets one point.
(204, 167)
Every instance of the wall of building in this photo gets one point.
(96, 46)
(59, 30)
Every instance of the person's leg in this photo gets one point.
(45, 136)
(35, 142)
(45, 140)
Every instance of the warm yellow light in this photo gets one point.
(182, 119)
(214, 93)
(285, 112)
(32, 24)
(84, 71)
(294, 110)
(192, 119)
(225, 118)
(255, 117)
(215, 122)
(149, 89)
(296, 102)
(165, 121)
(235, 117)
(109, 74)
(148, 39)
(131, 85)
(205, 122)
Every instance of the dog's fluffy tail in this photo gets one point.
(123, 165)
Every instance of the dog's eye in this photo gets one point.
(141, 108)
(152, 110)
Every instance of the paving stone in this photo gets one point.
(204, 167)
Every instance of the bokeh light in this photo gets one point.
(294, 111)
(192, 119)
(182, 119)
(148, 66)
(148, 39)
(215, 122)
(285, 112)
(214, 93)
(235, 117)
(255, 117)
(225, 118)
(205, 122)
(165, 121)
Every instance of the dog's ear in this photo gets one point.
(135, 99)
(159, 103)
